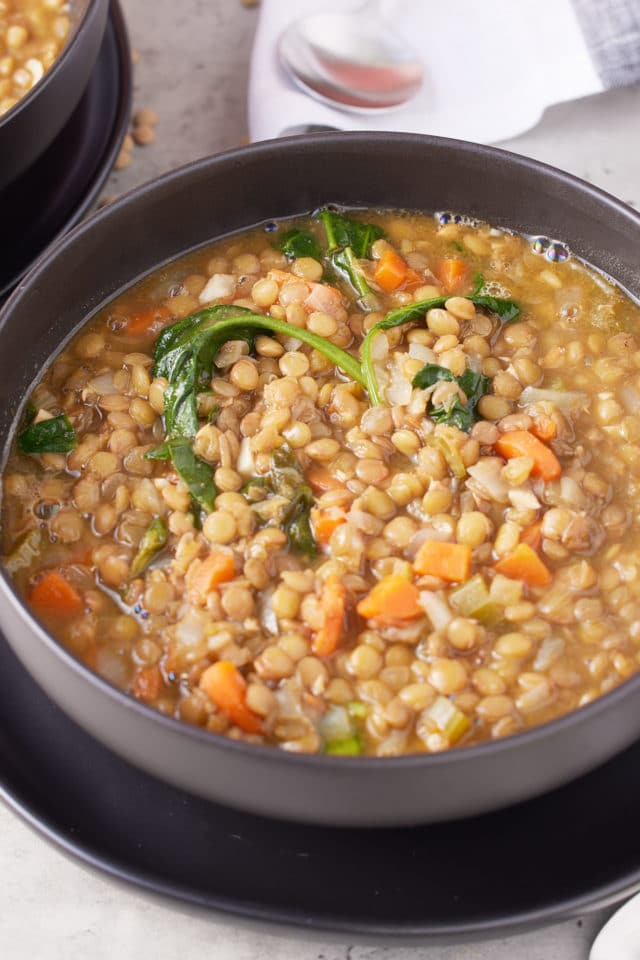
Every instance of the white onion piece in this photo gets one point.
(246, 465)
(419, 351)
(524, 500)
(268, 618)
(568, 401)
(550, 649)
(436, 608)
(630, 398)
(190, 628)
(488, 474)
(220, 286)
(103, 384)
(335, 724)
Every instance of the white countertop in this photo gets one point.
(192, 69)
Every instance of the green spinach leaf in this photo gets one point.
(297, 243)
(455, 413)
(196, 474)
(508, 311)
(344, 232)
(186, 361)
(431, 373)
(55, 435)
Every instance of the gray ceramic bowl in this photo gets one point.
(231, 192)
(28, 128)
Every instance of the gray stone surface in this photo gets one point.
(192, 69)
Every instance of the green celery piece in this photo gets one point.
(297, 243)
(152, 543)
(357, 709)
(451, 455)
(349, 747)
(197, 474)
(472, 599)
(507, 310)
(449, 719)
(55, 435)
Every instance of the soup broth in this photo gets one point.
(362, 483)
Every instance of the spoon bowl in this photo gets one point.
(350, 61)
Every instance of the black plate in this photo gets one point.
(50, 197)
(569, 852)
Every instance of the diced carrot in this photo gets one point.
(226, 687)
(524, 564)
(544, 428)
(521, 443)
(204, 575)
(147, 322)
(321, 480)
(453, 274)
(325, 522)
(391, 270)
(393, 598)
(148, 684)
(334, 604)
(532, 535)
(449, 561)
(53, 594)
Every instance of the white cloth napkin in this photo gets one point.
(491, 68)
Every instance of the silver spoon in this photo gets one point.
(353, 61)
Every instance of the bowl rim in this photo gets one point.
(91, 6)
(262, 752)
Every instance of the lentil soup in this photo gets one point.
(365, 483)
(32, 36)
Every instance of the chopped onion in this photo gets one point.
(524, 500)
(572, 493)
(550, 649)
(220, 286)
(246, 464)
(436, 608)
(103, 384)
(268, 618)
(568, 401)
(190, 628)
(336, 724)
(419, 351)
(488, 474)
(630, 398)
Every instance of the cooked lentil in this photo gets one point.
(385, 566)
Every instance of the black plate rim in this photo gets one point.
(295, 920)
(104, 163)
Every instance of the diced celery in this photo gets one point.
(451, 455)
(357, 709)
(351, 747)
(471, 599)
(450, 721)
